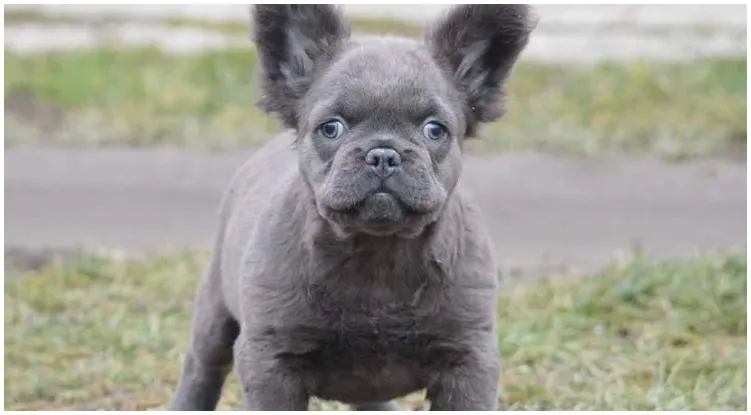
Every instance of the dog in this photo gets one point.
(349, 263)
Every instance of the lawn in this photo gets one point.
(97, 333)
(145, 97)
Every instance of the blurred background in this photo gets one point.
(625, 138)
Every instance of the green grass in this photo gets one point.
(675, 110)
(144, 97)
(98, 333)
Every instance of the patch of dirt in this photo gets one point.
(735, 148)
(27, 108)
(25, 260)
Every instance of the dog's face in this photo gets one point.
(378, 137)
(380, 121)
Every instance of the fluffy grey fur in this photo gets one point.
(351, 265)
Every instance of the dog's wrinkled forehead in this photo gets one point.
(383, 77)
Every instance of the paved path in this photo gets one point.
(543, 212)
(565, 33)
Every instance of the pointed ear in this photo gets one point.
(478, 45)
(294, 42)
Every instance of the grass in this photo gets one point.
(97, 333)
(144, 97)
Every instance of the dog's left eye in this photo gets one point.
(434, 131)
(331, 129)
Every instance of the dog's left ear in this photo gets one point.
(294, 42)
(478, 44)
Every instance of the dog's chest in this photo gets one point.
(369, 340)
(374, 320)
(370, 329)
(367, 354)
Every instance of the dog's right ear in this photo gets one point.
(294, 42)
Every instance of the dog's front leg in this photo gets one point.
(472, 384)
(209, 356)
(267, 383)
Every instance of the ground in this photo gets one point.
(625, 136)
(99, 333)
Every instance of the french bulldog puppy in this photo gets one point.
(349, 264)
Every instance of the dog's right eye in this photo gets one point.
(332, 129)
(434, 131)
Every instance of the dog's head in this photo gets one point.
(380, 121)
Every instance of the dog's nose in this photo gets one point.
(383, 161)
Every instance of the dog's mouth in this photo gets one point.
(379, 213)
(377, 206)
(382, 207)
(382, 199)
(362, 203)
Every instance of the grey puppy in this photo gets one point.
(351, 266)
